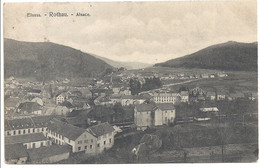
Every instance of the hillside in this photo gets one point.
(225, 56)
(127, 65)
(45, 60)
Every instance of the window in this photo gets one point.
(104, 142)
(33, 145)
(33, 130)
(90, 146)
(110, 140)
(29, 130)
(23, 131)
(98, 145)
(14, 132)
(79, 142)
(19, 132)
(86, 147)
(79, 148)
(91, 140)
(41, 143)
(42, 129)
(25, 145)
(69, 140)
(8, 133)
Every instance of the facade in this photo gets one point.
(149, 115)
(29, 141)
(60, 98)
(30, 108)
(104, 134)
(79, 139)
(166, 97)
(29, 125)
(184, 96)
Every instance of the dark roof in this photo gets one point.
(29, 106)
(144, 107)
(15, 151)
(66, 104)
(75, 113)
(101, 129)
(25, 138)
(34, 90)
(38, 154)
(165, 106)
(29, 122)
(127, 97)
(67, 130)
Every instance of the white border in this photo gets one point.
(237, 165)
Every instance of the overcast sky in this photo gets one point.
(148, 32)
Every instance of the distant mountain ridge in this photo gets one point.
(225, 56)
(127, 65)
(49, 60)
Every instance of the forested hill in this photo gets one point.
(226, 56)
(49, 60)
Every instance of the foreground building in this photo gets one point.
(150, 115)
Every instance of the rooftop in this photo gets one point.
(37, 154)
(165, 106)
(101, 129)
(15, 151)
(144, 107)
(25, 138)
(67, 130)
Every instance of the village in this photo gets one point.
(54, 121)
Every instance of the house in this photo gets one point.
(29, 141)
(30, 108)
(15, 154)
(221, 95)
(149, 115)
(165, 114)
(104, 134)
(60, 98)
(29, 125)
(79, 139)
(49, 154)
(79, 118)
(127, 100)
(184, 96)
(211, 95)
(204, 76)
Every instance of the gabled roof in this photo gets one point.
(29, 107)
(144, 107)
(165, 106)
(25, 138)
(29, 122)
(100, 129)
(15, 151)
(67, 130)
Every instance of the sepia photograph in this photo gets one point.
(129, 82)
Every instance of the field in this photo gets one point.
(236, 81)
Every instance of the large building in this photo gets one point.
(149, 115)
(92, 140)
(104, 134)
(165, 97)
(29, 125)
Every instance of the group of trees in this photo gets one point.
(149, 84)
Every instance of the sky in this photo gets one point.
(147, 32)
